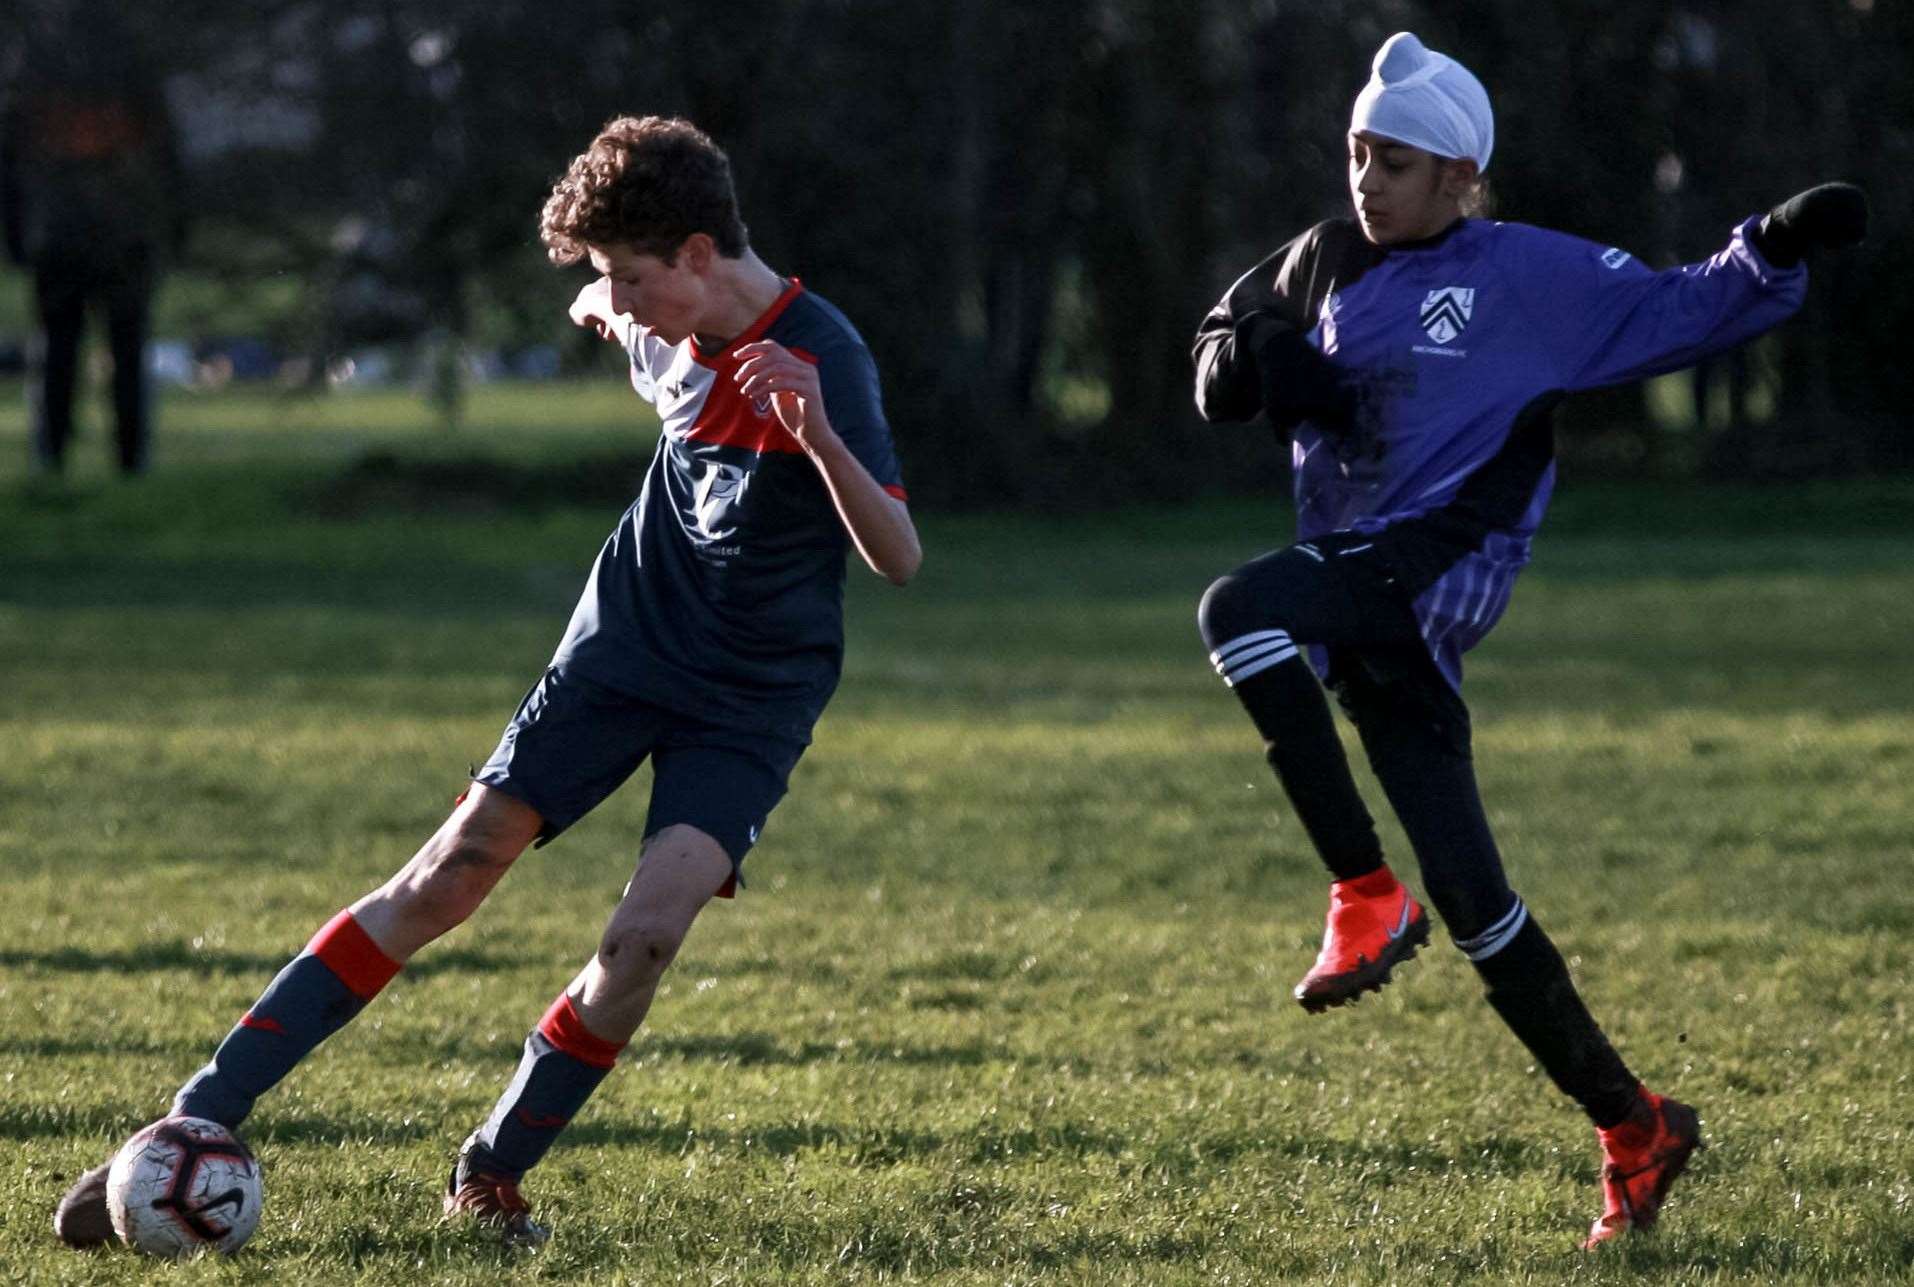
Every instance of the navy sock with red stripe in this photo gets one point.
(562, 1065)
(319, 992)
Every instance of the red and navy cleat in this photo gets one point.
(492, 1201)
(1373, 926)
(81, 1219)
(1641, 1157)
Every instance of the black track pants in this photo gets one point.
(1341, 594)
(1337, 593)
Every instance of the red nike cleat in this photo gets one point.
(1373, 925)
(1640, 1158)
(494, 1202)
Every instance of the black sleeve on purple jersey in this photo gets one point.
(1228, 386)
(1268, 311)
(855, 405)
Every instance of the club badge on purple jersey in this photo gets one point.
(1446, 311)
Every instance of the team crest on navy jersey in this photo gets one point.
(718, 490)
(1446, 312)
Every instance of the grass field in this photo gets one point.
(1007, 998)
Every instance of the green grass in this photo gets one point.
(1006, 1000)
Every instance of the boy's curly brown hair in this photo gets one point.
(647, 182)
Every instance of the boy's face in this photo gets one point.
(669, 298)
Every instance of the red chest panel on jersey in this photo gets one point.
(730, 419)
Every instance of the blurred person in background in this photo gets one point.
(1413, 356)
(90, 192)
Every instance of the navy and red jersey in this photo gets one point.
(1459, 348)
(720, 592)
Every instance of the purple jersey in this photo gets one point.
(1459, 346)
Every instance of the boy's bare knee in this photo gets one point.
(635, 953)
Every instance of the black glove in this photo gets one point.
(1298, 382)
(1831, 217)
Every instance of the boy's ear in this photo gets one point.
(697, 251)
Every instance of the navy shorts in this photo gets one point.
(573, 742)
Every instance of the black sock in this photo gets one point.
(1299, 739)
(1530, 988)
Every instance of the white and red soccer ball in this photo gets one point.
(181, 1185)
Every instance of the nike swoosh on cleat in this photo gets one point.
(1402, 925)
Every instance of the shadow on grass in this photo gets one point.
(346, 1128)
(1197, 1158)
(793, 970)
(864, 1145)
(450, 1043)
(55, 1120)
(114, 1120)
(968, 967)
(751, 1050)
(177, 954)
(122, 1046)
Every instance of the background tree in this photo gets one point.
(1027, 207)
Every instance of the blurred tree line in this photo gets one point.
(1026, 207)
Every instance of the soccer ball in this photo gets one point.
(183, 1184)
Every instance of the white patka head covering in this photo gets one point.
(1427, 100)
